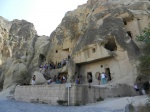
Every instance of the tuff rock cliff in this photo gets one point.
(112, 24)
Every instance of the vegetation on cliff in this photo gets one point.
(144, 65)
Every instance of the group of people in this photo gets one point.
(103, 77)
(57, 80)
(51, 65)
(142, 87)
(61, 79)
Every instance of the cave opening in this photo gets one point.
(111, 45)
(42, 59)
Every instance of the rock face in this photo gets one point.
(19, 46)
(99, 36)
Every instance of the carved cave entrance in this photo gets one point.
(111, 45)
(42, 59)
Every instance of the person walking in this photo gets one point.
(33, 80)
(99, 78)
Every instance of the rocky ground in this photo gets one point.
(108, 105)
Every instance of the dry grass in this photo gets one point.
(144, 108)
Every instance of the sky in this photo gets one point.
(46, 15)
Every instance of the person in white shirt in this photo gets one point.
(103, 78)
(49, 81)
(64, 79)
(33, 80)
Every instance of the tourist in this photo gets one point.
(63, 62)
(63, 79)
(58, 81)
(54, 78)
(49, 66)
(136, 87)
(41, 67)
(99, 78)
(33, 80)
(49, 81)
(142, 86)
(103, 78)
(77, 80)
(68, 57)
(45, 66)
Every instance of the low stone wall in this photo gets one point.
(80, 94)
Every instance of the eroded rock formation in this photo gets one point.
(99, 34)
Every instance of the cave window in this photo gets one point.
(101, 66)
(93, 50)
(111, 45)
(129, 33)
(56, 51)
(93, 10)
(125, 23)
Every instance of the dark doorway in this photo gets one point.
(42, 59)
(89, 76)
(108, 74)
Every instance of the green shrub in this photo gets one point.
(100, 99)
(62, 102)
(145, 35)
(34, 100)
(131, 108)
(144, 65)
(77, 104)
(24, 78)
(144, 108)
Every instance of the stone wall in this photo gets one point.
(81, 94)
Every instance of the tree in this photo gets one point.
(145, 35)
(144, 65)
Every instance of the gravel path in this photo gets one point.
(15, 106)
(108, 105)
